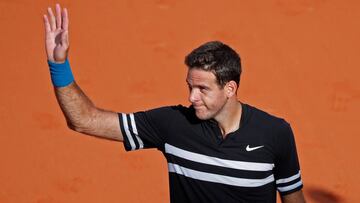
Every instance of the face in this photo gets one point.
(206, 95)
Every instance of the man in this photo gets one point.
(218, 149)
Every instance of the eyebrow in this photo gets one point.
(201, 85)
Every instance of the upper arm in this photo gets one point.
(295, 197)
(287, 168)
(147, 129)
(103, 124)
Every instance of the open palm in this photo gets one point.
(56, 34)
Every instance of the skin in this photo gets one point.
(295, 197)
(80, 113)
(210, 100)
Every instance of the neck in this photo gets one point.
(229, 118)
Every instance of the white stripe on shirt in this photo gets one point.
(286, 180)
(133, 125)
(200, 158)
(216, 178)
(290, 187)
(127, 131)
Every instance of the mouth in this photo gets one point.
(196, 107)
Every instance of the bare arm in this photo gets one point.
(83, 116)
(80, 113)
(295, 197)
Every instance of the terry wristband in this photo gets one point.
(61, 74)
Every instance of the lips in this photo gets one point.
(198, 106)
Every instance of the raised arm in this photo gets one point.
(80, 113)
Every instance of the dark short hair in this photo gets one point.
(218, 58)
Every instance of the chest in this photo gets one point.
(249, 144)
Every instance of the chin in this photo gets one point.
(203, 116)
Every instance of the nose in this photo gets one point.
(194, 96)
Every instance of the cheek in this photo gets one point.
(214, 100)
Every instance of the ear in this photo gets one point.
(231, 88)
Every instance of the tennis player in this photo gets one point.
(218, 149)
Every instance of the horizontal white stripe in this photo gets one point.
(290, 187)
(200, 158)
(215, 178)
(286, 180)
(133, 125)
(127, 132)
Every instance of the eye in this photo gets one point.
(203, 89)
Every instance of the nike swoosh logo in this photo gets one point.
(249, 149)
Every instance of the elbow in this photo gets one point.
(74, 127)
(81, 126)
(83, 123)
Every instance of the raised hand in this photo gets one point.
(56, 34)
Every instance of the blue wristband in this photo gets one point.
(61, 74)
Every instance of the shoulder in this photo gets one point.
(170, 113)
(170, 110)
(263, 119)
(274, 128)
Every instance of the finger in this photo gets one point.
(65, 20)
(52, 19)
(47, 24)
(58, 16)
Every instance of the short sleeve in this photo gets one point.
(287, 169)
(145, 129)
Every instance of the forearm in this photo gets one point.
(84, 117)
(75, 105)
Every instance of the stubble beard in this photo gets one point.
(208, 114)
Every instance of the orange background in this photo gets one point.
(300, 61)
